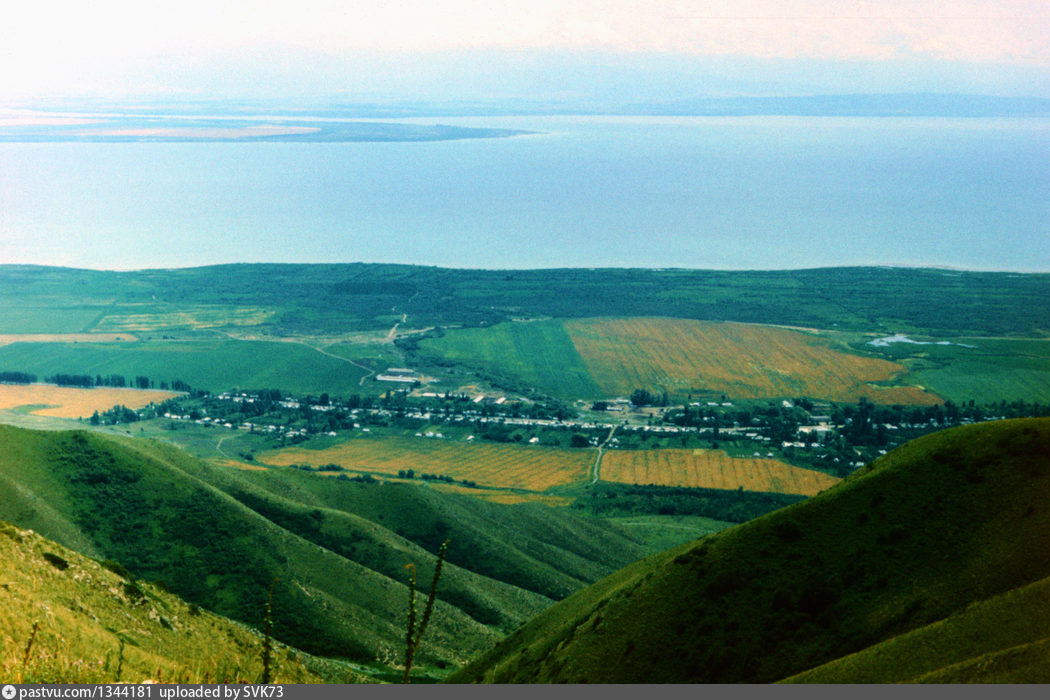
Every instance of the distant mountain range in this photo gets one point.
(859, 104)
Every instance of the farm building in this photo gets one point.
(399, 374)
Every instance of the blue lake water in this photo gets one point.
(751, 192)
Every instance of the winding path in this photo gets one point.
(324, 352)
(596, 470)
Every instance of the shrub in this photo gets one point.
(133, 592)
(56, 561)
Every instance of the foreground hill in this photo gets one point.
(929, 564)
(219, 537)
(94, 624)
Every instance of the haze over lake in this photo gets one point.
(704, 192)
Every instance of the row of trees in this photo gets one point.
(17, 378)
(87, 381)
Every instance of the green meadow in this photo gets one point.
(215, 365)
(984, 370)
(538, 354)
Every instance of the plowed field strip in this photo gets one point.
(502, 466)
(713, 469)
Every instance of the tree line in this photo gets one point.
(87, 381)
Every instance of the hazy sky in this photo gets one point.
(464, 49)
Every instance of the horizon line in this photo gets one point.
(863, 266)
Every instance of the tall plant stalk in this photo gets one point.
(29, 649)
(267, 650)
(414, 634)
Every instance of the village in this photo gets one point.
(836, 438)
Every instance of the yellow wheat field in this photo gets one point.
(712, 469)
(533, 468)
(73, 402)
(741, 360)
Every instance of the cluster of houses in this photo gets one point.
(249, 427)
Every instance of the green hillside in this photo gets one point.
(219, 537)
(318, 299)
(929, 564)
(96, 624)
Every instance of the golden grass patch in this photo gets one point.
(744, 361)
(712, 469)
(532, 468)
(234, 464)
(82, 611)
(73, 402)
(198, 318)
(504, 497)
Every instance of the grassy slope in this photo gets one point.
(166, 517)
(547, 551)
(164, 524)
(937, 525)
(958, 648)
(84, 610)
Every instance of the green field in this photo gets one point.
(215, 365)
(377, 355)
(993, 370)
(535, 354)
(47, 319)
(660, 532)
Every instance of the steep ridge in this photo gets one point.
(945, 539)
(340, 581)
(65, 618)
